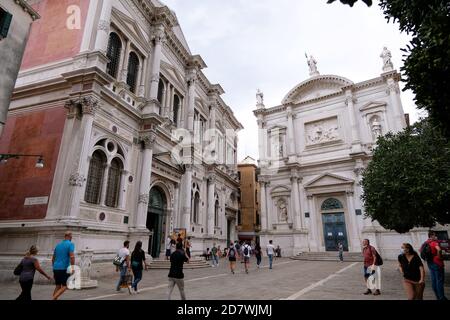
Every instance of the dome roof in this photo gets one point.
(315, 87)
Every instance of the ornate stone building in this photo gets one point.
(107, 91)
(313, 148)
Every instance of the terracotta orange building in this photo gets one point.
(249, 221)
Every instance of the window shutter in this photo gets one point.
(5, 24)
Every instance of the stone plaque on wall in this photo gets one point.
(35, 201)
(322, 131)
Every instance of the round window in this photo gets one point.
(102, 216)
(130, 179)
(110, 146)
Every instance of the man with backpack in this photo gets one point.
(431, 253)
(231, 254)
(372, 263)
(246, 251)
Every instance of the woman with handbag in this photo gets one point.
(137, 265)
(26, 269)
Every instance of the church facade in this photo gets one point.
(313, 148)
(136, 140)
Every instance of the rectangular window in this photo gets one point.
(5, 23)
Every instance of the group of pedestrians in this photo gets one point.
(410, 266)
(63, 258)
(130, 265)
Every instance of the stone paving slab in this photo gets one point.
(301, 280)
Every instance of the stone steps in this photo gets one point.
(193, 264)
(328, 256)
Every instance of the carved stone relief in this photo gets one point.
(322, 131)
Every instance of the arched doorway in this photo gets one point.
(334, 229)
(156, 215)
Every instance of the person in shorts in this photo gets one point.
(246, 252)
(63, 258)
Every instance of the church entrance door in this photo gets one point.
(156, 221)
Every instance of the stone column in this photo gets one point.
(356, 141)
(296, 200)
(394, 94)
(314, 241)
(104, 184)
(192, 78)
(124, 71)
(187, 190)
(142, 79)
(262, 136)
(176, 217)
(148, 140)
(158, 39)
(355, 237)
(301, 196)
(263, 206)
(291, 135)
(211, 205)
(78, 177)
(102, 35)
(122, 191)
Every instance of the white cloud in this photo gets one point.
(250, 44)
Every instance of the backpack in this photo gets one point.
(246, 250)
(18, 270)
(231, 253)
(425, 252)
(378, 259)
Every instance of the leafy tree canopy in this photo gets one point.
(407, 182)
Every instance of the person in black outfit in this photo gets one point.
(411, 267)
(137, 265)
(258, 254)
(176, 276)
(29, 266)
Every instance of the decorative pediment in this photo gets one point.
(328, 179)
(276, 128)
(280, 191)
(316, 87)
(173, 75)
(373, 105)
(129, 23)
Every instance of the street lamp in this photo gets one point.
(39, 163)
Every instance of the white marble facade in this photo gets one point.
(139, 128)
(320, 138)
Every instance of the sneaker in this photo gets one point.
(368, 292)
(377, 292)
(246, 271)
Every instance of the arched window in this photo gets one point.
(95, 177)
(176, 108)
(332, 204)
(113, 188)
(216, 213)
(113, 54)
(196, 207)
(133, 69)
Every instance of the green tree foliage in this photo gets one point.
(407, 183)
(427, 56)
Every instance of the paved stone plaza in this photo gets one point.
(290, 279)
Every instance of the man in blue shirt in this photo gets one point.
(63, 257)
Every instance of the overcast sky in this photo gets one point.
(250, 44)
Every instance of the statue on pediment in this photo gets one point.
(312, 63)
(259, 98)
(387, 63)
